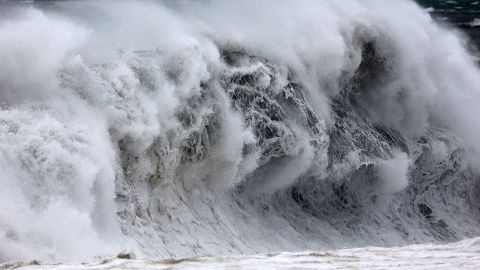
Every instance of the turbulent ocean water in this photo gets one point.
(462, 15)
(176, 129)
(462, 255)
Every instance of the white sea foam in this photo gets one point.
(110, 139)
(462, 255)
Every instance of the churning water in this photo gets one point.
(191, 128)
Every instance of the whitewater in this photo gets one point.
(212, 128)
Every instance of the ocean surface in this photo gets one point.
(462, 255)
(460, 15)
(239, 134)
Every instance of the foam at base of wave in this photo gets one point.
(463, 255)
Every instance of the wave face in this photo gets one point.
(185, 128)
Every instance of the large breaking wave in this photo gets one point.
(182, 128)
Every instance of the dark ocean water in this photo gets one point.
(465, 15)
